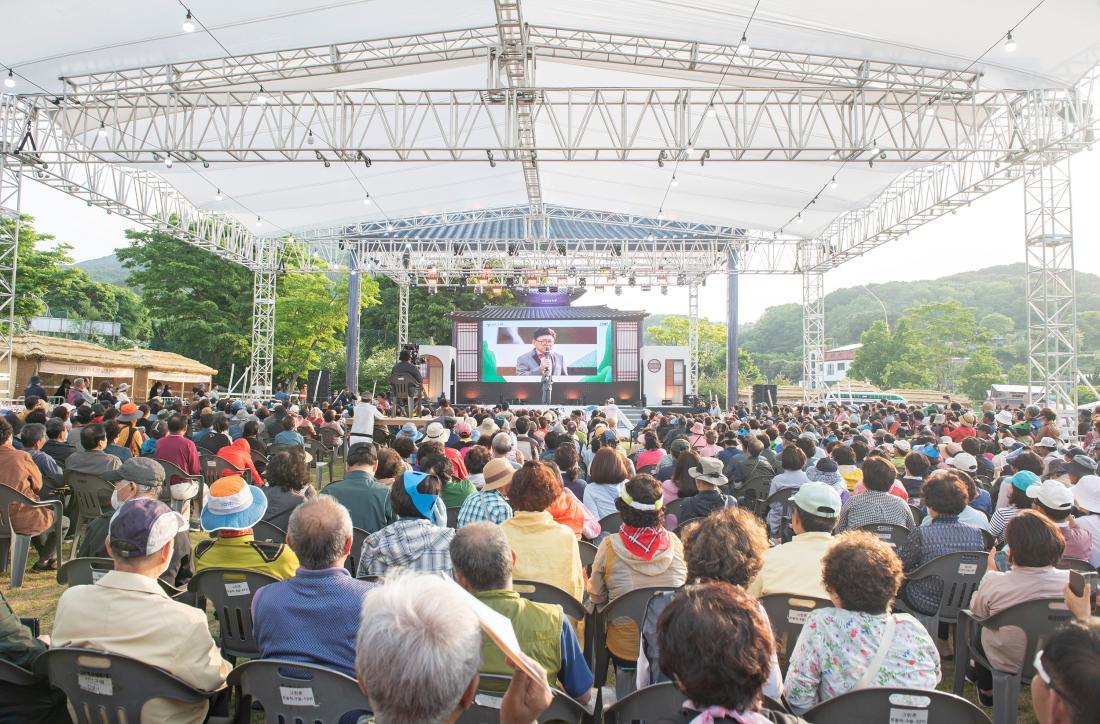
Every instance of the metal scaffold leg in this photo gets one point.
(813, 331)
(692, 381)
(1051, 290)
(263, 330)
(11, 177)
(402, 315)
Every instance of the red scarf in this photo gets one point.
(644, 542)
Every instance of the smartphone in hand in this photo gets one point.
(1078, 580)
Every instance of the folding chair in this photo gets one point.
(323, 453)
(960, 573)
(214, 467)
(783, 498)
(918, 513)
(268, 531)
(588, 554)
(611, 523)
(84, 571)
(787, 613)
(230, 592)
(892, 535)
(1075, 564)
(882, 704)
(753, 496)
(290, 691)
(656, 701)
(358, 537)
(19, 546)
(631, 605)
(486, 706)
(17, 675)
(1036, 619)
(646, 470)
(91, 497)
(105, 688)
(673, 508)
(545, 593)
(174, 474)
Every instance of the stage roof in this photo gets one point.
(521, 314)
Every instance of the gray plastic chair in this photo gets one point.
(960, 573)
(83, 571)
(631, 605)
(358, 537)
(174, 474)
(883, 704)
(268, 531)
(782, 497)
(91, 497)
(545, 593)
(892, 535)
(326, 453)
(105, 688)
(787, 614)
(1075, 564)
(651, 702)
(588, 554)
(486, 706)
(673, 508)
(611, 523)
(19, 546)
(230, 592)
(1037, 619)
(290, 691)
(17, 675)
(214, 467)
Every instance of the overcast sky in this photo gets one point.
(990, 232)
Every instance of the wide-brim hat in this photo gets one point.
(409, 430)
(129, 413)
(1004, 417)
(488, 427)
(498, 473)
(436, 432)
(232, 504)
(1087, 493)
(698, 429)
(709, 470)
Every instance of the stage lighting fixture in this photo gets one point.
(188, 23)
(259, 222)
(743, 48)
(168, 160)
(875, 150)
(489, 155)
(832, 183)
(309, 138)
(798, 219)
(389, 226)
(582, 282)
(367, 200)
(631, 280)
(674, 183)
(9, 80)
(102, 130)
(542, 290)
(689, 149)
(681, 278)
(618, 291)
(660, 157)
(218, 195)
(1010, 44)
(712, 112)
(552, 290)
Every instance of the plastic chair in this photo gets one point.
(892, 535)
(407, 389)
(646, 470)
(753, 496)
(545, 593)
(656, 701)
(631, 605)
(174, 474)
(230, 592)
(452, 517)
(83, 571)
(268, 531)
(882, 704)
(782, 497)
(214, 467)
(105, 688)
(91, 497)
(1037, 619)
(486, 706)
(918, 513)
(960, 573)
(588, 554)
(19, 546)
(1075, 564)
(17, 675)
(326, 453)
(989, 539)
(611, 523)
(673, 508)
(787, 614)
(290, 691)
(358, 537)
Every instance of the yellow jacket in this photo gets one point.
(545, 551)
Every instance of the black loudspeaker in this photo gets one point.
(317, 386)
(763, 394)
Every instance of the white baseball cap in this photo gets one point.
(1048, 442)
(1052, 494)
(1087, 493)
(964, 461)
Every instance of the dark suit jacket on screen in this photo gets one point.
(528, 364)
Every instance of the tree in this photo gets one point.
(998, 324)
(38, 269)
(979, 372)
(778, 331)
(1017, 375)
(75, 295)
(891, 359)
(673, 330)
(948, 331)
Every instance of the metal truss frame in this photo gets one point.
(516, 64)
(11, 194)
(262, 368)
(402, 313)
(668, 54)
(1051, 288)
(692, 381)
(813, 321)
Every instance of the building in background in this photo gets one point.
(838, 361)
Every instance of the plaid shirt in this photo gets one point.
(945, 534)
(871, 507)
(414, 544)
(490, 506)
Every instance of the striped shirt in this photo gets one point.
(945, 534)
(490, 506)
(871, 507)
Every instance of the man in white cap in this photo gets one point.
(795, 567)
(1047, 449)
(127, 612)
(1055, 501)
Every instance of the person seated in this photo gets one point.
(917, 468)
(1055, 501)
(284, 615)
(1018, 500)
(792, 460)
(127, 612)
(217, 435)
(709, 481)
(489, 502)
(896, 488)
(288, 433)
(414, 541)
(546, 550)
(1035, 545)
(726, 546)
(57, 444)
(875, 505)
(141, 478)
(642, 554)
(287, 485)
(1086, 499)
(92, 460)
(418, 651)
(858, 642)
(366, 500)
(33, 437)
(1063, 690)
(717, 647)
(945, 495)
(239, 454)
(231, 508)
(18, 471)
(154, 431)
(112, 430)
(606, 472)
(570, 511)
(36, 703)
(435, 446)
(795, 567)
(483, 562)
(454, 491)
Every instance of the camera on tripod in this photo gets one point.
(414, 352)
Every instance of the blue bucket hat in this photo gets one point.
(409, 430)
(232, 504)
(1024, 479)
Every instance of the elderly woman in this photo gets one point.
(390, 465)
(858, 642)
(545, 551)
(641, 555)
(414, 542)
(606, 472)
(287, 485)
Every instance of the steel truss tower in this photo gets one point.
(11, 178)
(263, 321)
(813, 319)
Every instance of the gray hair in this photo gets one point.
(318, 532)
(502, 443)
(418, 649)
(480, 552)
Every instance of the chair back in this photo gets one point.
(787, 614)
(961, 573)
(452, 516)
(918, 513)
(782, 498)
(611, 523)
(19, 544)
(230, 592)
(268, 531)
(631, 605)
(358, 537)
(329, 436)
(881, 704)
(105, 688)
(258, 459)
(214, 467)
(1075, 564)
(17, 675)
(487, 701)
(1037, 619)
(540, 592)
(657, 701)
(588, 554)
(988, 539)
(90, 494)
(84, 571)
(291, 691)
(891, 535)
(673, 508)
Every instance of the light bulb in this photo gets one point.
(9, 81)
(168, 161)
(690, 148)
(660, 216)
(712, 112)
(259, 222)
(875, 150)
(188, 23)
(1010, 44)
(102, 131)
(675, 183)
(798, 219)
(832, 184)
(389, 227)
(367, 200)
(929, 110)
(743, 48)
(218, 195)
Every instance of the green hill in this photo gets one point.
(106, 269)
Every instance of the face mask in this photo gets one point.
(115, 502)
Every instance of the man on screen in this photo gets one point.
(542, 360)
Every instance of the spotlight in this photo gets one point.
(664, 290)
(327, 164)
(661, 159)
(389, 226)
(1010, 44)
(690, 148)
(875, 150)
(618, 291)
(489, 155)
(218, 195)
(743, 48)
(704, 157)
(9, 81)
(188, 23)
(309, 138)
(631, 281)
(206, 164)
(661, 215)
(929, 110)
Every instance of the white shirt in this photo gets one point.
(1091, 523)
(363, 420)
